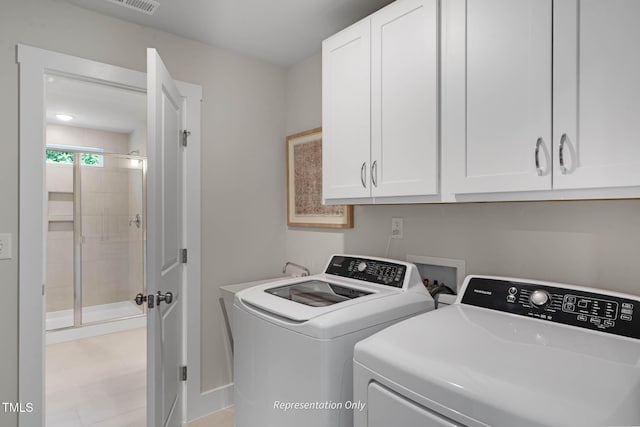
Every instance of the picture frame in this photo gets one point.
(304, 185)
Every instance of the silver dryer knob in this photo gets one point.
(362, 266)
(539, 298)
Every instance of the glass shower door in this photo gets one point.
(113, 236)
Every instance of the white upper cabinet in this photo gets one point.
(497, 95)
(404, 99)
(380, 105)
(346, 116)
(499, 87)
(596, 93)
(519, 100)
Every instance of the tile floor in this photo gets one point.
(223, 418)
(98, 381)
(101, 382)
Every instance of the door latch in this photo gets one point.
(185, 135)
(141, 299)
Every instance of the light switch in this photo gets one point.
(5, 246)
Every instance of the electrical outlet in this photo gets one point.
(5, 246)
(396, 228)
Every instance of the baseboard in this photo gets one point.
(64, 335)
(210, 401)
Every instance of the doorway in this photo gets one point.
(95, 252)
(95, 172)
(35, 66)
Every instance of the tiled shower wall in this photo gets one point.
(59, 261)
(112, 248)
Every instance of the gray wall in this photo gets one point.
(592, 243)
(243, 163)
(311, 247)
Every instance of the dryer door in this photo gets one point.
(386, 408)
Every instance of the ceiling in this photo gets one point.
(95, 105)
(282, 32)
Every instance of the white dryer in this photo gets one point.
(509, 352)
(294, 338)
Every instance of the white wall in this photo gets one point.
(310, 247)
(243, 163)
(110, 142)
(303, 93)
(592, 243)
(138, 141)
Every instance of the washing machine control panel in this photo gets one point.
(369, 270)
(584, 309)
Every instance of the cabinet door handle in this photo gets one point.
(374, 173)
(537, 157)
(563, 140)
(363, 174)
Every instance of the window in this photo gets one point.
(63, 154)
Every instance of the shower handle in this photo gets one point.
(137, 220)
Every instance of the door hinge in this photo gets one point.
(183, 256)
(183, 373)
(43, 289)
(185, 136)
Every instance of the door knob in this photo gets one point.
(167, 298)
(140, 299)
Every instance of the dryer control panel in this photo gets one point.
(369, 270)
(570, 306)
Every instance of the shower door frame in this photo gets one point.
(34, 63)
(78, 239)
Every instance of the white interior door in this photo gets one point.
(164, 243)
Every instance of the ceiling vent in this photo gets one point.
(145, 6)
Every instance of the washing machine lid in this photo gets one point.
(317, 293)
(304, 298)
(320, 316)
(349, 282)
(505, 370)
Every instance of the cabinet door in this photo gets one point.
(404, 103)
(346, 117)
(497, 94)
(596, 93)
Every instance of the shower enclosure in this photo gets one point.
(95, 259)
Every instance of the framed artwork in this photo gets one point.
(304, 185)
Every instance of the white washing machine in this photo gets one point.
(294, 338)
(509, 352)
